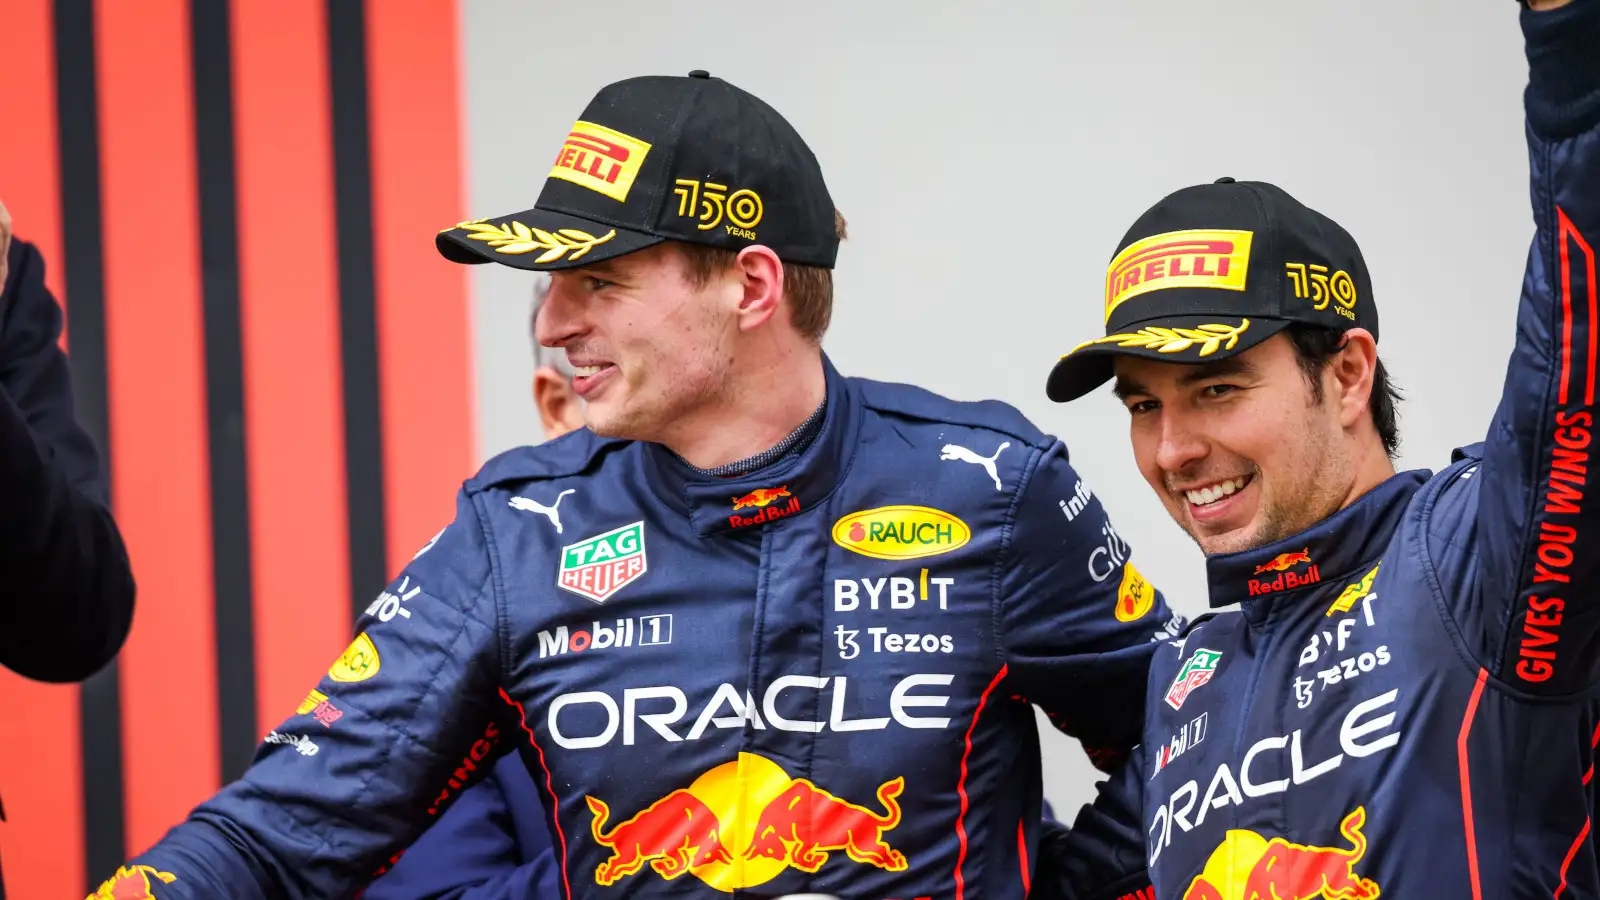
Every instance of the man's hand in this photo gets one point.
(1542, 5)
(5, 243)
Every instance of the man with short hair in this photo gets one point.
(1405, 701)
(760, 628)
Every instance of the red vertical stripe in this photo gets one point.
(1022, 851)
(423, 318)
(1466, 783)
(156, 382)
(549, 785)
(1567, 231)
(1583, 833)
(40, 757)
(961, 785)
(289, 312)
(1566, 306)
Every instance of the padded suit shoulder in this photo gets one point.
(908, 402)
(574, 453)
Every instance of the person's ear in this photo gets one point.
(761, 281)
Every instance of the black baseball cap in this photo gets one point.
(1215, 269)
(665, 158)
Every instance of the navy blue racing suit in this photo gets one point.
(817, 677)
(1407, 700)
(492, 844)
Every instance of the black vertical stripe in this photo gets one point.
(352, 170)
(84, 269)
(211, 46)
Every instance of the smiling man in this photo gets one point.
(760, 627)
(1406, 701)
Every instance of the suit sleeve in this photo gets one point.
(69, 591)
(1078, 624)
(1101, 857)
(472, 853)
(401, 724)
(1538, 524)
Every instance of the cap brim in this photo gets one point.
(540, 240)
(1176, 339)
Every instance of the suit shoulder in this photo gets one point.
(575, 453)
(912, 403)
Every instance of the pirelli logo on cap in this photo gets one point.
(1198, 258)
(600, 159)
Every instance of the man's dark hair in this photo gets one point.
(1314, 345)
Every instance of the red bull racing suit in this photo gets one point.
(1407, 700)
(816, 677)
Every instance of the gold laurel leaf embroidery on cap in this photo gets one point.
(459, 225)
(1211, 337)
(518, 238)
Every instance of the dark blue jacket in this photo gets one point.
(1407, 702)
(493, 844)
(66, 591)
(817, 677)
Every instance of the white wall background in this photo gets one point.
(990, 155)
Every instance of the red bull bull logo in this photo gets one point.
(805, 821)
(674, 834)
(1247, 866)
(742, 824)
(1283, 562)
(1286, 580)
(759, 499)
(131, 883)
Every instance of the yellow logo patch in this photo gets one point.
(1313, 282)
(600, 159)
(1353, 593)
(710, 203)
(312, 701)
(900, 532)
(1196, 258)
(359, 662)
(1135, 597)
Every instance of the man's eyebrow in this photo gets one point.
(603, 267)
(1233, 365)
(1126, 387)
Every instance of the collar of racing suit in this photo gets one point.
(718, 504)
(1332, 551)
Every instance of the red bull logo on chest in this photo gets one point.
(742, 824)
(1247, 866)
(1283, 563)
(761, 499)
(604, 564)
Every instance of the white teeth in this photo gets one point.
(586, 371)
(1215, 492)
